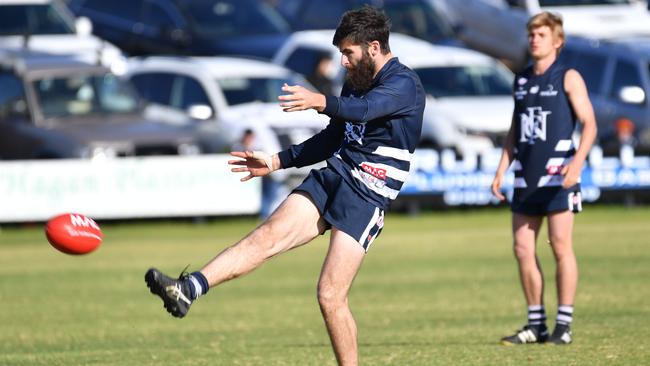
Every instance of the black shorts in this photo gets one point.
(342, 207)
(547, 200)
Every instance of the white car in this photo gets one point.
(469, 103)
(498, 27)
(47, 26)
(235, 93)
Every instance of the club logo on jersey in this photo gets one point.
(522, 81)
(355, 132)
(549, 92)
(533, 125)
(374, 171)
(534, 89)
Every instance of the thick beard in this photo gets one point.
(360, 77)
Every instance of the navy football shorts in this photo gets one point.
(547, 200)
(342, 207)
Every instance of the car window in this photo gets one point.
(81, 95)
(12, 97)
(456, 81)
(32, 19)
(247, 90)
(625, 74)
(154, 87)
(234, 17)
(303, 60)
(192, 93)
(591, 67)
(129, 10)
(321, 14)
(417, 19)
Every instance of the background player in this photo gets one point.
(549, 99)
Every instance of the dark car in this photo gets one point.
(186, 27)
(417, 18)
(55, 107)
(617, 74)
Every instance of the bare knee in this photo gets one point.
(524, 252)
(330, 298)
(562, 247)
(266, 239)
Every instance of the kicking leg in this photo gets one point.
(296, 222)
(341, 265)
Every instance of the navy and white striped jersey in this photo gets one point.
(371, 137)
(544, 125)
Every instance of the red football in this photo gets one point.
(73, 233)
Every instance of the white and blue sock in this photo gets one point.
(536, 316)
(564, 315)
(198, 285)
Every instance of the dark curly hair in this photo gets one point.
(362, 26)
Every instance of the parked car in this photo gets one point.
(47, 26)
(469, 102)
(498, 27)
(187, 27)
(235, 94)
(418, 18)
(57, 107)
(617, 74)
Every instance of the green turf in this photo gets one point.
(436, 289)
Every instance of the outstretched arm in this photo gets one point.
(395, 96)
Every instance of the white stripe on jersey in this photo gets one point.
(391, 171)
(374, 184)
(550, 180)
(520, 183)
(516, 165)
(564, 145)
(391, 152)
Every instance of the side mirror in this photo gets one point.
(631, 95)
(201, 112)
(83, 27)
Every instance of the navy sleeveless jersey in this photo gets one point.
(371, 136)
(544, 125)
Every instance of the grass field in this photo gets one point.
(436, 289)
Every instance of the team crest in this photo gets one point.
(533, 125)
(355, 132)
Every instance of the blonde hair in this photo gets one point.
(551, 20)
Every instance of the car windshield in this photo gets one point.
(465, 81)
(234, 18)
(84, 95)
(32, 19)
(580, 2)
(246, 90)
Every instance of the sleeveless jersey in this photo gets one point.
(544, 124)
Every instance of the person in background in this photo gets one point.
(319, 77)
(549, 100)
(273, 189)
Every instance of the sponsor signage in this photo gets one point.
(125, 188)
